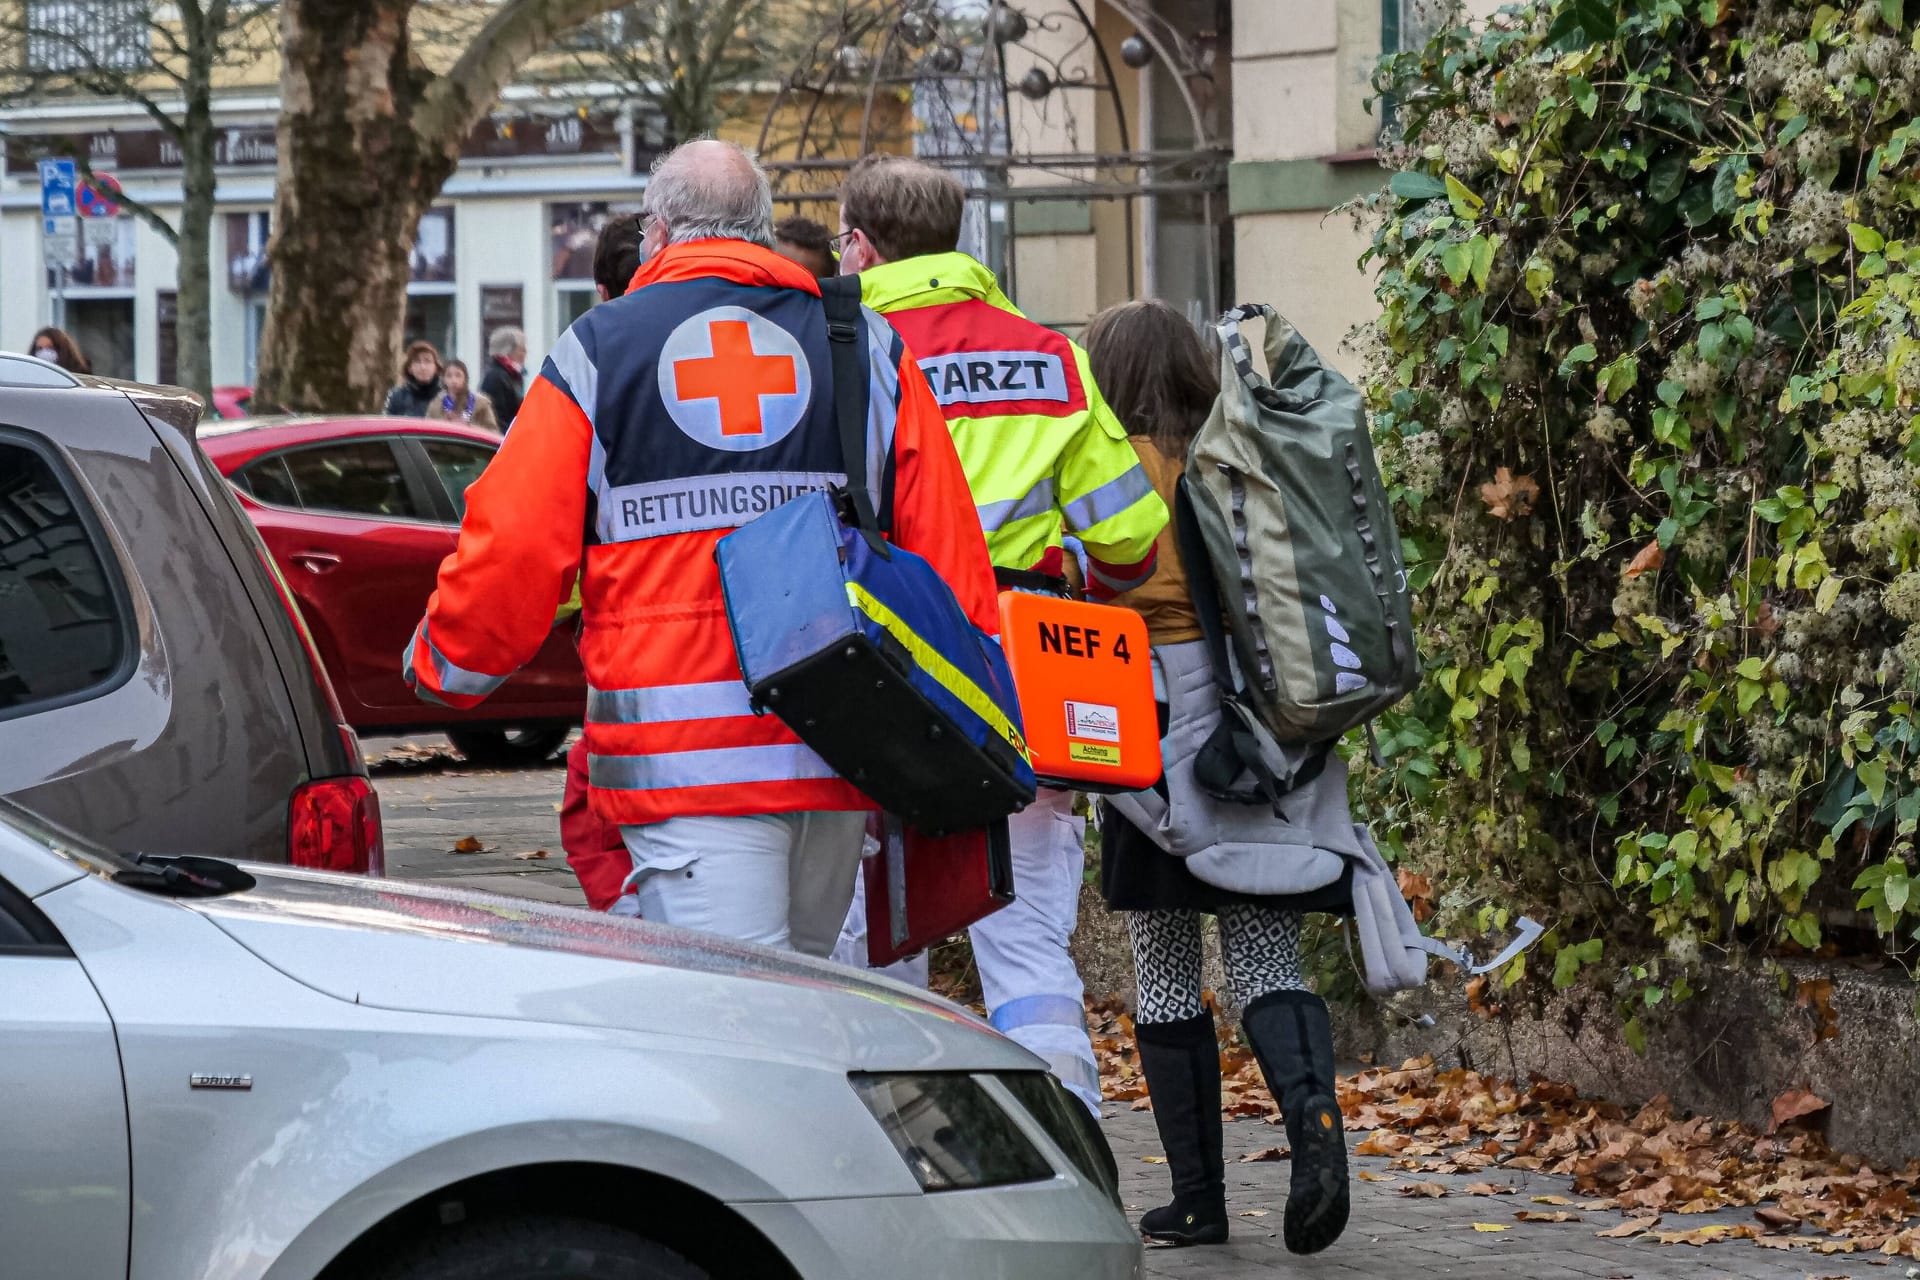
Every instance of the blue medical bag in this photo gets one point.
(870, 660)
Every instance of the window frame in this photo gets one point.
(423, 495)
(443, 500)
(112, 572)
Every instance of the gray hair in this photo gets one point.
(711, 190)
(505, 342)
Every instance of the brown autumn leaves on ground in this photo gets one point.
(1649, 1165)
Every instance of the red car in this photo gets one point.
(359, 513)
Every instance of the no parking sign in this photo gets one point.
(96, 197)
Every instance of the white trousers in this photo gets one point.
(782, 880)
(1032, 990)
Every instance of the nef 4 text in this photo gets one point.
(1078, 642)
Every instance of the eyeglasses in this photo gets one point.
(838, 244)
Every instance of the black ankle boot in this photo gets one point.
(1293, 1039)
(1181, 1061)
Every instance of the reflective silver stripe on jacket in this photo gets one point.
(1109, 500)
(1117, 585)
(1037, 501)
(451, 677)
(662, 704)
(716, 767)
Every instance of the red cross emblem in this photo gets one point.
(735, 376)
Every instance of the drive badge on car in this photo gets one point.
(202, 1080)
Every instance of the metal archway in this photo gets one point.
(937, 78)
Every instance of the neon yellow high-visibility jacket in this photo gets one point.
(1042, 451)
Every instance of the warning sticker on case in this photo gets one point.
(1093, 753)
(1093, 720)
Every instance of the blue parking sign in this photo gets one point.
(57, 182)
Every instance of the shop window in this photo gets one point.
(103, 328)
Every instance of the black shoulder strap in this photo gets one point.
(846, 334)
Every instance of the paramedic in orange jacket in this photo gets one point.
(662, 421)
(1045, 457)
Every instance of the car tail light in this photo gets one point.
(334, 825)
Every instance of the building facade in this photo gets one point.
(1214, 139)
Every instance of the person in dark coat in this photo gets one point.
(419, 384)
(1149, 361)
(506, 378)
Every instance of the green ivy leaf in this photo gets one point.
(1666, 177)
(1584, 95)
(1873, 776)
(1893, 13)
(1409, 184)
(1635, 1035)
(1583, 354)
(1794, 128)
(1457, 259)
(1866, 239)
(1579, 23)
(1466, 205)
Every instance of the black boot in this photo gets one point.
(1293, 1039)
(1182, 1065)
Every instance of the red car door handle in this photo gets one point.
(315, 561)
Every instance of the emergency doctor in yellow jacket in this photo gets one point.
(1044, 457)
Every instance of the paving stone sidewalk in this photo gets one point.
(428, 809)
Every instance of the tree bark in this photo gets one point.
(367, 139)
(193, 242)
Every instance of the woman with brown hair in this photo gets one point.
(1150, 364)
(56, 346)
(419, 383)
(459, 402)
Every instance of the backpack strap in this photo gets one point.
(1230, 750)
(846, 331)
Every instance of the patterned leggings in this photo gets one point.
(1259, 946)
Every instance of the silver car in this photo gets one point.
(220, 1071)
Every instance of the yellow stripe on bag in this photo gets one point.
(935, 663)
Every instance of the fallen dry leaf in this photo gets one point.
(1792, 1105)
(1491, 1226)
(1649, 558)
(1536, 1215)
(1424, 1190)
(1153, 1159)
(1488, 1189)
(1253, 1213)
(1550, 1200)
(468, 844)
(1630, 1228)
(1368, 1175)
(1267, 1153)
(1508, 495)
(536, 853)
(1816, 995)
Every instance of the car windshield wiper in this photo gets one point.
(183, 876)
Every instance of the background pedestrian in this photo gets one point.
(1150, 363)
(56, 346)
(616, 256)
(807, 242)
(506, 377)
(459, 402)
(419, 383)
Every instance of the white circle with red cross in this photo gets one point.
(734, 380)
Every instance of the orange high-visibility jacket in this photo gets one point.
(662, 421)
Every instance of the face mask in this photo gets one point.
(46, 353)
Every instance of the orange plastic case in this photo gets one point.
(1085, 680)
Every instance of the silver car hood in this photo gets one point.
(421, 948)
